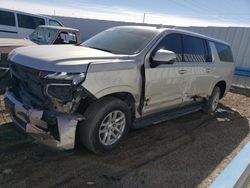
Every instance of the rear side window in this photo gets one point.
(7, 18)
(172, 42)
(29, 22)
(194, 49)
(224, 52)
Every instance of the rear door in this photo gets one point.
(27, 24)
(8, 27)
(198, 66)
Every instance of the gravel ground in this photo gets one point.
(186, 152)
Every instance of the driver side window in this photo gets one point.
(171, 42)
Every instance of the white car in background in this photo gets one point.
(16, 24)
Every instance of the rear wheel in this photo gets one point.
(107, 123)
(213, 101)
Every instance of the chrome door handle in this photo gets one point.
(182, 71)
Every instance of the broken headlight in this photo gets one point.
(64, 77)
(61, 92)
(62, 85)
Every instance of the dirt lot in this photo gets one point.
(185, 152)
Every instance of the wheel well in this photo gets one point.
(128, 99)
(124, 96)
(85, 103)
(222, 85)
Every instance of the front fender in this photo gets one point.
(116, 89)
(115, 80)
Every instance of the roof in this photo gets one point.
(152, 28)
(161, 29)
(198, 35)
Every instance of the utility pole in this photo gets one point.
(144, 17)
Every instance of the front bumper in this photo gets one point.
(54, 129)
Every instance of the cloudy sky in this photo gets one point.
(169, 12)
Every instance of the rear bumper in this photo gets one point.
(54, 129)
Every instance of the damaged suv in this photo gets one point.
(125, 77)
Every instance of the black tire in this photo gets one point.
(95, 115)
(209, 107)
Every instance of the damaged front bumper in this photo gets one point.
(51, 128)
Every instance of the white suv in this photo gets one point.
(125, 77)
(16, 24)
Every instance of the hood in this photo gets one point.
(60, 58)
(7, 42)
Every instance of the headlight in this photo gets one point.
(62, 92)
(61, 85)
(63, 77)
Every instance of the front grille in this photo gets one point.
(28, 87)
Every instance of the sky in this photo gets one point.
(167, 12)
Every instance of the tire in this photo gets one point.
(97, 132)
(212, 103)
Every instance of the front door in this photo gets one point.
(165, 83)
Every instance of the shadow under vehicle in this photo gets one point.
(179, 153)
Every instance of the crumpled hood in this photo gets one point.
(60, 58)
(8, 42)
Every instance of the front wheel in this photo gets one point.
(107, 123)
(213, 101)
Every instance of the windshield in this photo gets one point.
(122, 40)
(43, 35)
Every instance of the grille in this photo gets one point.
(28, 87)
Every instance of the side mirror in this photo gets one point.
(164, 56)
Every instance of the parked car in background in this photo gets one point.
(16, 24)
(125, 77)
(43, 35)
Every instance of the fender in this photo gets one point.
(115, 89)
